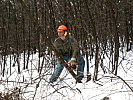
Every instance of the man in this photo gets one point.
(68, 47)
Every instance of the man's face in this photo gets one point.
(60, 33)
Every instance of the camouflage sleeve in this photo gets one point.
(75, 48)
(56, 45)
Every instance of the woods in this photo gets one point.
(102, 28)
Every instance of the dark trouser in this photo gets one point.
(59, 68)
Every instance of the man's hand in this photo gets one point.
(72, 63)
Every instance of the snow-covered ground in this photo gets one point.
(36, 86)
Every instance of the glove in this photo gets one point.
(72, 63)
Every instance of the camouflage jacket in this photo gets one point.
(68, 47)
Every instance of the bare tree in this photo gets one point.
(102, 28)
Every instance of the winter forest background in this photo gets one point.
(103, 29)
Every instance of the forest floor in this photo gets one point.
(36, 86)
